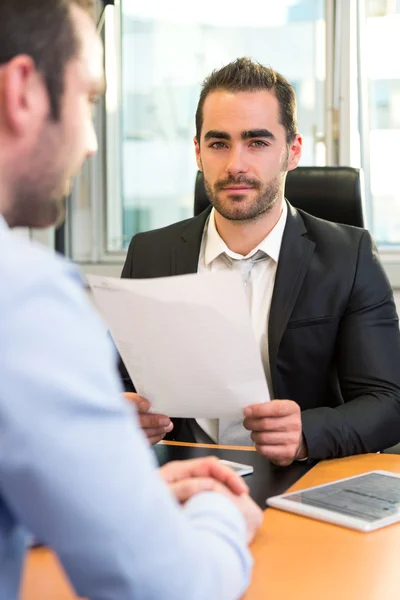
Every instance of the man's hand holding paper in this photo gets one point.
(155, 426)
(276, 430)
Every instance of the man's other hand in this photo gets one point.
(155, 426)
(187, 478)
(276, 430)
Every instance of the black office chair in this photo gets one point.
(331, 193)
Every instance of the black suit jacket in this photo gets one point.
(334, 343)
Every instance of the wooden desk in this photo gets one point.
(302, 559)
(44, 579)
(295, 557)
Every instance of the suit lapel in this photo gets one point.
(185, 255)
(294, 259)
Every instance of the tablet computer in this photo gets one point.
(364, 502)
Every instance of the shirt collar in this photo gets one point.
(270, 245)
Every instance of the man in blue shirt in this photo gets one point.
(75, 468)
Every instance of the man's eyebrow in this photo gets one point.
(245, 135)
(257, 133)
(219, 135)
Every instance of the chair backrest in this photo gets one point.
(331, 193)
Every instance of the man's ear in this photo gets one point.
(25, 97)
(294, 155)
(197, 150)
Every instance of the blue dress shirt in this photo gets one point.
(75, 467)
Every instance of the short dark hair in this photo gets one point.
(44, 30)
(246, 75)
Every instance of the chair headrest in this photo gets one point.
(331, 193)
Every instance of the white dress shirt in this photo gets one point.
(262, 276)
(75, 468)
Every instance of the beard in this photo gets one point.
(238, 207)
(40, 191)
(37, 204)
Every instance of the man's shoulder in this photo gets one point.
(152, 253)
(24, 264)
(326, 233)
(170, 232)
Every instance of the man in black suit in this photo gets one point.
(321, 306)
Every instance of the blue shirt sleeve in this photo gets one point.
(76, 470)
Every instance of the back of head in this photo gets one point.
(43, 30)
(245, 75)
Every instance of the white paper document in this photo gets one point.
(186, 341)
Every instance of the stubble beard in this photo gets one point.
(40, 192)
(237, 207)
(38, 203)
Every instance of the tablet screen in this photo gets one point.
(365, 502)
(368, 497)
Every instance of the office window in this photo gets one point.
(382, 140)
(167, 50)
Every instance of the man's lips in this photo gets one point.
(237, 188)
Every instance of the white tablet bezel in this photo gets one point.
(283, 502)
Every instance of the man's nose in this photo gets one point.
(236, 163)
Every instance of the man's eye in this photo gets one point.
(259, 144)
(217, 145)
